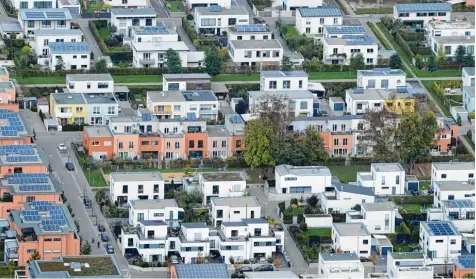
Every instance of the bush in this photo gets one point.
(294, 201)
(282, 206)
(312, 201)
(361, 160)
(411, 199)
(145, 264)
(303, 227)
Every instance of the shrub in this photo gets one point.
(303, 227)
(312, 201)
(411, 199)
(294, 201)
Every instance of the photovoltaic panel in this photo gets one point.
(215, 8)
(467, 261)
(35, 15)
(55, 15)
(251, 28)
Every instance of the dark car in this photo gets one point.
(267, 267)
(69, 166)
(101, 228)
(104, 237)
(87, 202)
(109, 249)
(431, 192)
(415, 192)
(244, 269)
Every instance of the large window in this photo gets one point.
(46, 23)
(209, 22)
(303, 189)
(23, 5)
(61, 23)
(42, 5)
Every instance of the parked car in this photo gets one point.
(244, 269)
(266, 267)
(431, 192)
(110, 249)
(87, 202)
(174, 259)
(62, 147)
(104, 237)
(415, 192)
(69, 166)
(101, 228)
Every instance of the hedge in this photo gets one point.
(457, 158)
(362, 160)
(404, 45)
(97, 36)
(411, 199)
(189, 29)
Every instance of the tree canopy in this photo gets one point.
(213, 62)
(174, 62)
(395, 62)
(357, 62)
(258, 143)
(286, 64)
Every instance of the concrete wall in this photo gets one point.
(321, 221)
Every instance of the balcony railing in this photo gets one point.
(164, 112)
(147, 61)
(338, 56)
(415, 268)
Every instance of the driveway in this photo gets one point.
(84, 24)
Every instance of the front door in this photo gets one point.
(394, 190)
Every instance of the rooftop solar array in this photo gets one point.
(35, 187)
(215, 8)
(51, 216)
(15, 123)
(346, 29)
(236, 119)
(202, 271)
(28, 178)
(467, 261)
(441, 229)
(460, 204)
(152, 30)
(358, 40)
(424, 7)
(17, 149)
(251, 28)
(320, 12)
(19, 159)
(45, 14)
(69, 47)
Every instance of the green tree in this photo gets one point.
(11, 267)
(417, 136)
(312, 200)
(258, 143)
(101, 66)
(431, 64)
(419, 61)
(314, 146)
(86, 249)
(357, 62)
(213, 62)
(395, 61)
(460, 53)
(100, 195)
(468, 60)
(59, 64)
(286, 64)
(440, 55)
(173, 63)
(26, 49)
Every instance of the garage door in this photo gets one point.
(412, 186)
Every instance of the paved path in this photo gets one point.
(84, 24)
(157, 5)
(347, 7)
(271, 21)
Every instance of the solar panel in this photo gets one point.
(69, 47)
(215, 8)
(251, 28)
(467, 261)
(55, 15)
(35, 15)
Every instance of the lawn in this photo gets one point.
(176, 6)
(348, 173)
(425, 185)
(62, 80)
(365, 11)
(378, 35)
(412, 208)
(312, 76)
(109, 170)
(318, 232)
(93, 175)
(429, 87)
(470, 141)
(41, 80)
(104, 33)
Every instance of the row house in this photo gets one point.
(460, 212)
(340, 50)
(13, 131)
(125, 19)
(463, 266)
(221, 184)
(409, 265)
(360, 100)
(381, 78)
(45, 36)
(217, 20)
(192, 4)
(249, 32)
(337, 31)
(311, 21)
(89, 83)
(441, 241)
(384, 178)
(305, 179)
(379, 218)
(32, 20)
(446, 137)
(299, 101)
(281, 80)
(253, 52)
(449, 35)
(452, 171)
(126, 186)
(452, 190)
(7, 92)
(420, 14)
(186, 82)
(344, 265)
(344, 197)
(14, 161)
(233, 209)
(69, 55)
(32, 4)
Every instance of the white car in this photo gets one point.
(62, 147)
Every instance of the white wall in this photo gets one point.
(375, 221)
(288, 4)
(90, 86)
(161, 214)
(368, 52)
(295, 83)
(128, 3)
(341, 269)
(246, 36)
(317, 183)
(344, 201)
(123, 23)
(191, 4)
(226, 189)
(41, 42)
(37, 25)
(81, 61)
(451, 175)
(352, 244)
(446, 16)
(30, 4)
(435, 45)
(411, 268)
(221, 21)
(116, 189)
(324, 221)
(440, 195)
(234, 213)
(315, 24)
(274, 55)
(444, 250)
(393, 81)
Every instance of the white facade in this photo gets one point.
(377, 217)
(234, 209)
(154, 210)
(450, 35)
(268, 52)
(191, 242)
(216, 20)
(340, 266)
(300, 101)
(384, 178)
(460, 212)
(124, 186)
(411, 265)
(452, 171)
(351, 238)
(152, 54)
(192, 4)
(452, 190)
(345, 197)
(468, 77)
(32, 4)
(358, 100)
(314, 25)
(128, 4)
(90, 83)
(289, 5)
(279, 80)
(149, 239)
(222, 184)
(339, 50)
(381, 78)
(80, 60)
(311, 179)
(153, 33)
(179, 81)
(237, 34)
(125, 19)
(422, 13)
(38, 19)
(44, 37)
(440, 247)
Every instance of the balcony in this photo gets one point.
(162, 112)
(64, 113)
(338, 56)
(208, 111)
(146, 61)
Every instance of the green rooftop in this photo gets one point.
(224, 176)
(407, 255)
(98, 266)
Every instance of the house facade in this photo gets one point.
(310, 179)
(279, 80)
(420, 14)
(311, 21)
(221, 184)
(136, 186)
(351, 238)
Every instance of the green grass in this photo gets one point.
(378, 35)
(137, 79)
(470, 141)
(95, 178)
(429, 87)
(62, 80)
(312, 76)
(41, 80)
(104, 33)
(253, 77)
(348, 173)
(439, 73)
(365, 11)
(425, 185)
(318, 232)
(139, 97)
(176, 6)
(109, 170)
(412, 208)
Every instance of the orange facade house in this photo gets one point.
(22, 159)
(43, 227)
(196, 145)
(463, 265)
(98, 141)
(447, 138)
(150, 146)
(338, 143)
(13, 129)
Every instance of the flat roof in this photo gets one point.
(454, 40)
(68, 98)
(469, 71)
(199, 96)
(424, 7)
(31, 183)
(291, 94)
(194, 225)
(351, 40)
(465, 262)
(407, 255)
(153, 30)
(235, 201)
(69, 48)
(321, 12)
(205, 11)
(98, 131)
(387, 167)
(281, 274)
(11, 27)
(192, 76)
(454, 165)
(202, 271)
(134, 12)
(136, 176)
(343, 257)
(356, 189)
(440, 228)
(160, 45)
(368, 94)
(224, 176)
(88, 77)
(255, 44)
(165, 96)
(31, 157)
(254, 221)
(100, 98)
(272, 74)
(217, 131)
(303, 171)
(49, 32)
(351, 229)
(455, 185)
(45, 14)
(152, 204)
(381, 72)
(381, 206)
(345, 29)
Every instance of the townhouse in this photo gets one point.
(290, 5)
(280, 80)
(92, 266)
(15, 161)
(360, 100)
(468, 76)
(420, 14)
(235, 124)
(449, 35)
(452, 171)
(463, 266)
(13, 130)
(218, 142)
(69, 56)
(347, 265)
(148, 239)
(299, 101)
(166, 105)
(468, 97)
(340, 50)
(460, 212)
(192, 4)
(345, 197)
(191, 242)
(309, 179)
(45, 36)
(98, 141)
(252, 52)
(311, 21)
(151, 33)
(125, 19)
(381, 78)
(408, 265)
(446, 137)
(89, 83)
(351, 238)
(19, 188)
(441, 241)
(377, 217)
(166, 210)
(127, 186)
(32, 4)
(43, 227)
(32, 20)
(216, 20)
(186, 82)
(452, 190)
(7, 93)
(384, 178)
(233, 209)
(222, 184)
(246, 32)
(333, 31)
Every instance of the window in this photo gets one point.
(276, 53)
(79, 109)
(191, 144)
(223, 143)
(273, 84)
(111, 110)
(359, 106)
(252, 37)
(140, 189)
(443, 175)
(439, 241)
(177, 144)
(173, 86)
(257, 232)
(370, 60)
(95, 143)
(238, 144)
(215, 144)
(442, 14)
(200, 144)
(365, 241)
(334, 128)
(451, 197)
(45, 23)
(342, 127)
(300, 84)
(61, 23)
(344, 141)
(452, 241)
(208, 22)
(24, 5)
(336, 141)
(96, 110)
(370, 50)
(121, 145)
(321, 20)
(216, 189)
(31, 251)
(31, 24)
(239, 38)
(148, 22)
(336, 20)
(220, 213)
(176, 107)
(100, 84)
(231, 21)
(30, 199)
(286, 84)
(383, 180)
(471, 175)
(384, 83)
(447, 50)
(303, 105)
(125, 189)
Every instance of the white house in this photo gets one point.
(234, 209)
(217, 20)
(377, 217)
(333, 31)
(72, 55)
(441, 241)
(148, 239)
(153, 33)
(192, 4)
(468, 76)
(247, 32)
(40, 19)
(351, 238)
(192, 240)
(452, 171)
(359, 100)
(44, 37)
(381, 78)
(300, 101)
(384, 178)
(153, 54)
(74, 6)
(253, 52)
(452, 190)
(183, 82)
(345, 197)
(166, 210)
(203, 104)
(448, 35)
(128, 4)
(340, 50)
(311, 21)
(222, 184)
(126, 186)
(101, 107)
(32, 4)
(125, 19)
(411, 265)
(309, 179)
(89, 83)
(333, 265)
(419, 14)
(460, 212)
(468, 98)
(280, 80)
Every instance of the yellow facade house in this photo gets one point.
(68, 108)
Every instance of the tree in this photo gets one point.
(101, 66)
(13, 35)
(395, 61)
(440, 55)
(26, 49)
(417, 136)
(286, 64)
(59, 64)
(303, 227)
(258, 145)
(357, 62)
(32, 57)
(100, 195)
(314, 146)
(213, 62)
(312, 201)
(276, 108)
(357, 207)
(173, 63)
(468, 60)
(431, 64)
(35, 256)
(419, 61)
(86, 249)
(460, 54)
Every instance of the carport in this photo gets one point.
(52, 124)
(383, 245)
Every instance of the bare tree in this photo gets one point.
(279, 109)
